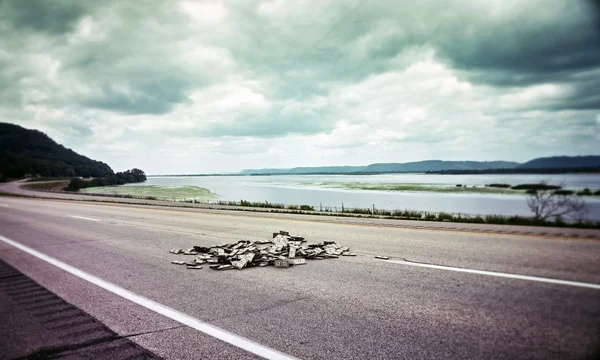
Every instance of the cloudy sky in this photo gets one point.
(217, 86)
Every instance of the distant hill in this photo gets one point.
(24, 151)
(264, 171)
(305, 170)
(420, 166)
(330, 169)
(562, 162)
(439, 165)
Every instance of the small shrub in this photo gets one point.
(358, 211)
(398, 213)
(564, 192)
(76, 184)
(477, 220)
(409, 213)
(558, 220)
(266, 204)
(495, 219)
(585, 192)
(430, 216)
(540, 186)
(307, 208)
(444, 216)
(519, 220)
(458, 185)
(503, 186)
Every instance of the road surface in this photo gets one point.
(539, 297)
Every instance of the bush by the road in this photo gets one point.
(120, 178)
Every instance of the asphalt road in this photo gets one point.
(347, 308)
(37, 324)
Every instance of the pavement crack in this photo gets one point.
(276, 305)
(419, 262)
(429, 263)
(153, 331)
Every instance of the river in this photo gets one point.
(317, 190)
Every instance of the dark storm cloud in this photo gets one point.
(274, 124)
(501, 45)
(553, 52)
(50, 16)
(537, 45)
(585, 97)
(571, 44)
(133, 69)
(127, 59)
(156, 94)
(349, 72)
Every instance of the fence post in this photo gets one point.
(373, 209)
(342, 206)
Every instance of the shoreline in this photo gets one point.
(523, 171)
(198, 192)
(396, 215)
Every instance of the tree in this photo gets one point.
(120, 178)
(546, 204)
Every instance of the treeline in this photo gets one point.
(120, 178)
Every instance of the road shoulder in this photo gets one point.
(39, 324)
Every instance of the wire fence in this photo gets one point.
(373, 211)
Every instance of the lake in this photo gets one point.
(329, 191)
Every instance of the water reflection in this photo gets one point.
(293, 190)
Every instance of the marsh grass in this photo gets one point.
(501, 186)
(412, 187)
(155, 192)
(540, 186)
(367, 213)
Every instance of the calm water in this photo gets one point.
(294, 190)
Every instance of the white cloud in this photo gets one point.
(532, 95)
(206, 13)
(193, 87)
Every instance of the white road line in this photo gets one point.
(498, 274)
(83, 218)
(208, 329)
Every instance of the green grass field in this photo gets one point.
(413, 187)
(179, 193)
